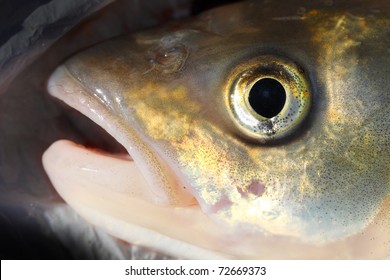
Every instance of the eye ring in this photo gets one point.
(287, 117)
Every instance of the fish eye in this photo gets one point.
(268, 97)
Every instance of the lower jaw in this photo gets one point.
(85, 182)
(88, 181)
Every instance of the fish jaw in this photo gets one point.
(111, 192)
(161, 181)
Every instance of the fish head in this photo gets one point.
(250, 129)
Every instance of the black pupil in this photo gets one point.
(267, 97)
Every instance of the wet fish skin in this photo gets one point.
(325, 183)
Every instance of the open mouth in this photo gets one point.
(144, 173)
(132, 193)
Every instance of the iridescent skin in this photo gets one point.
(326, 181)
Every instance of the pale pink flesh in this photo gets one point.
(110, 192)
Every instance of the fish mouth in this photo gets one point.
(139, 191)
(160, 183)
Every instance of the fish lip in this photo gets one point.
(162, 179)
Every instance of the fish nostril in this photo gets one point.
(169, 59)
(267, 97)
